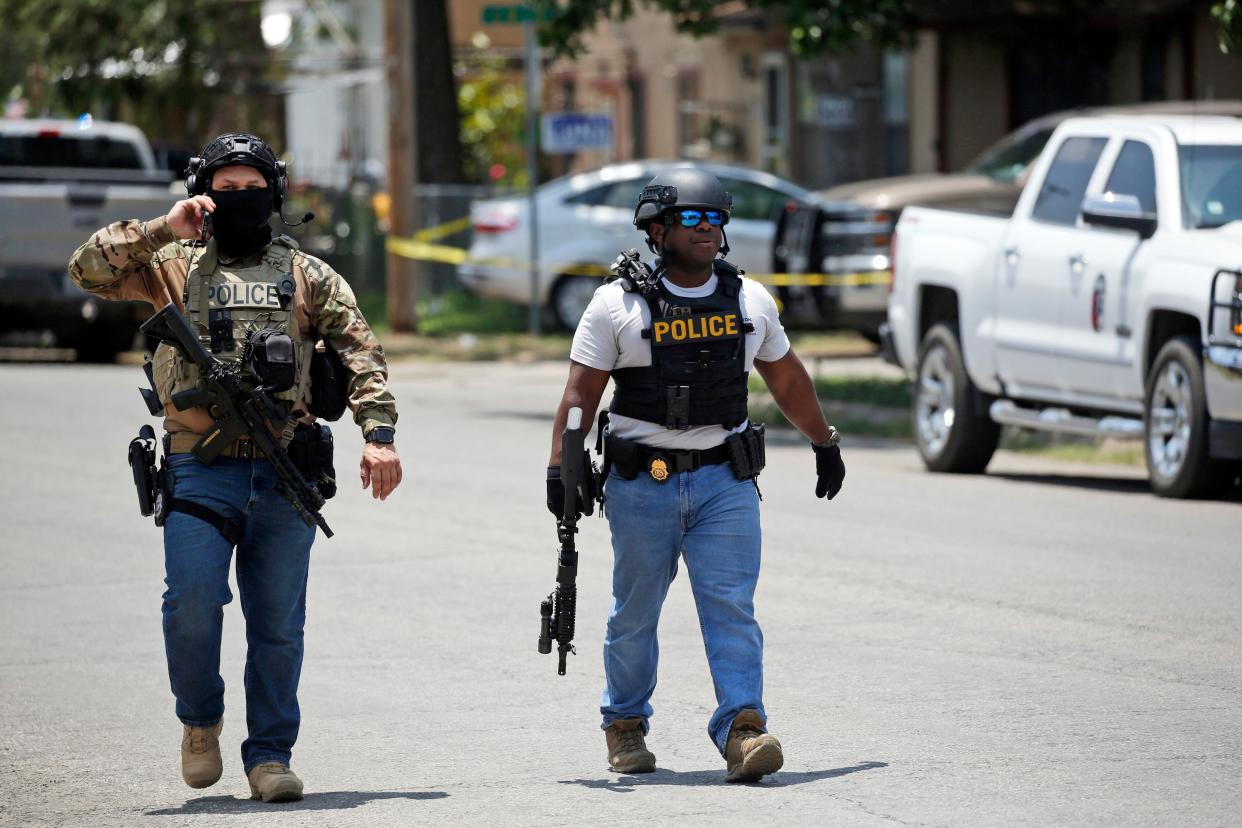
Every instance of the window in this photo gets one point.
(1060, 197)
(1009, 157)
(753, 201)
(1211, 184)
(1134, 174)
(590, 198)
(65, 151)
(612, 194)
(625, 193)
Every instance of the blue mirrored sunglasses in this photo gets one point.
(691, 218)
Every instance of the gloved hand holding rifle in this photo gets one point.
(571, 494)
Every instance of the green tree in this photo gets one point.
(814, 25)
(1228, 16)
(817, 26)
(493, 110)
(180, 69)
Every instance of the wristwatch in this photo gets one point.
(834, 438)
(381, 434)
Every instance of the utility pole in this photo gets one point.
(399, 45)
(533, 71)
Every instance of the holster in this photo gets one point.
(311, 450)
(156, 498)
(623, 456)
(142, 463)
(746, 452)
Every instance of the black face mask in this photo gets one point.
(239, 223)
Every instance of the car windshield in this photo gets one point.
(1211, 184)
(1007, 158)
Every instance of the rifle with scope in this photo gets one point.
(238, 411)
(557, 611)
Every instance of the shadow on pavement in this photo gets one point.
(1121, 485)
(781, 779)
(332, 801)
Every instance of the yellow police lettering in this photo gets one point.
(679, 329)
(661, 330)
(716, 325)
(731, 325)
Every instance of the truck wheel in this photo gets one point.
(950, 431)
(1176, 424)
(570, 297)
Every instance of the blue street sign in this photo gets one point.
(564, 132)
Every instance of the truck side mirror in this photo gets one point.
(1119, 210)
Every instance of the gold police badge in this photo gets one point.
(658, 467)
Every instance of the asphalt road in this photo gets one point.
(1047, 644)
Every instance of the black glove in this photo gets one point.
(556, 494)
(829, 469)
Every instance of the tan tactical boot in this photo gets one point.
(627, 750)
(750, 752)
(274, 782)
(201, 765)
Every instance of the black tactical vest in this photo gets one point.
(697, 375)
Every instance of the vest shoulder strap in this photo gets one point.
(279, 254)
(203, 263)
(729, 276)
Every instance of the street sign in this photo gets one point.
(565, 132)
(509, 13)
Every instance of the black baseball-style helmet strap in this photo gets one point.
(233, 148)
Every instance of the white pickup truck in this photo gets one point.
(60, 181)
(1109, 303)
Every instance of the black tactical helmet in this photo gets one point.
(236, 148)
(687, 188)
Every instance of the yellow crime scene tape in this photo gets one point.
(422, 247)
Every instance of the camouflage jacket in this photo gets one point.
(146, 261)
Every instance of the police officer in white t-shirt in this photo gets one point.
(681, 460)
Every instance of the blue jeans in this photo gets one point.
(273, 558)
(711, 519)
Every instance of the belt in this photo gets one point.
(675, 460)
(243, 448)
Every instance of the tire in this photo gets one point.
(570, 297)
(1175, 432)
(951, 433)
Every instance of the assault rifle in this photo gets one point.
(578, 477)
(238, 411)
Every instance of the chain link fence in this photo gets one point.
(350, 229)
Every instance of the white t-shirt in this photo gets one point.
(610, 336)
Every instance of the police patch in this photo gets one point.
(698, 327)
(244, 295)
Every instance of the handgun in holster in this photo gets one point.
(152, 482)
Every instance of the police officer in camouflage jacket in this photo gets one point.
(214, 256)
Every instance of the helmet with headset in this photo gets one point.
(237, 148)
